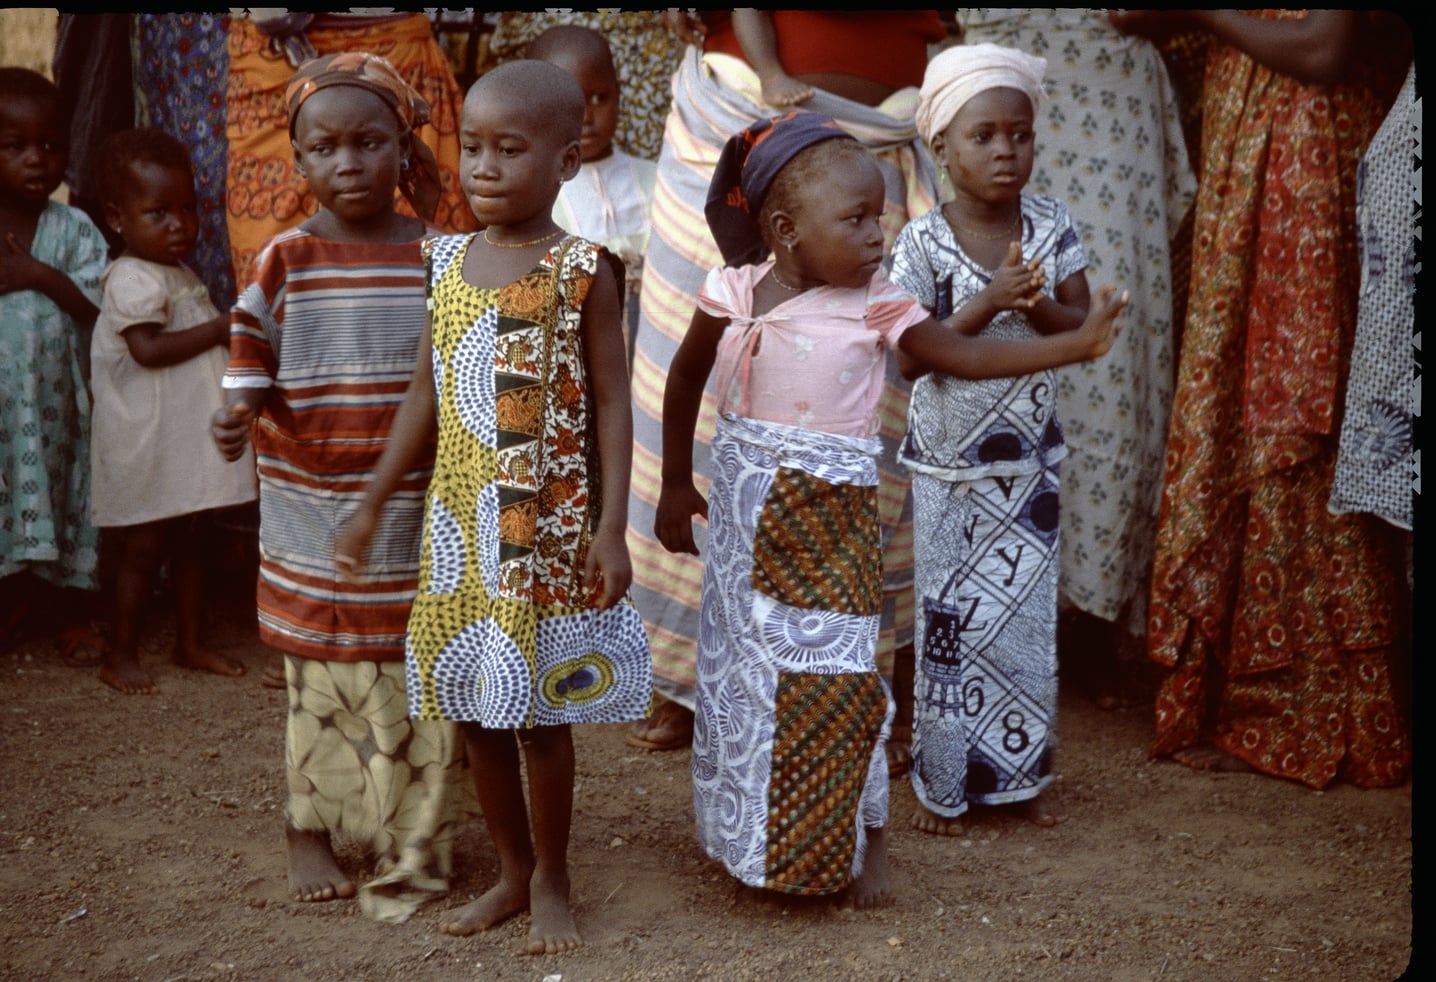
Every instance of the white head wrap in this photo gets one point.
(964, 70)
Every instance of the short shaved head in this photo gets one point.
(567, 44)
(542, 91)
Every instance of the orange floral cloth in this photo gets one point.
(1278, 614)
(265, 195)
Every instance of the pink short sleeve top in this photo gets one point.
(815, 361)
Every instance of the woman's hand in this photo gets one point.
(1155, 25)
(685, 25)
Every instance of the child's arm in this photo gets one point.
(754, 30)
(1015, 286)
(21, 271)
(679, 499)
(607, 570)
(413, 428)
(961, 356)
(1067, 311)
(154, 347)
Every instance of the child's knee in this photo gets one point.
(546, 739)
(139, 548)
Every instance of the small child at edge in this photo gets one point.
(51, 259)
(157, 362)
(608, 201)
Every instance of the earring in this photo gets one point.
(404, 164)
(791, 244)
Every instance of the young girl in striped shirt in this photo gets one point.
(322, 345)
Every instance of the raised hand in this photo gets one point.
(1099, 331)
(1016, 285)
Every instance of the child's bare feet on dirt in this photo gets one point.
(498, 904)
(926, 820)
(552, 928)
(1039, 812)
(869, 889)
(209, 661)
(124, 674)
(314, 876)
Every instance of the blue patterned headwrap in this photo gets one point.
(750, 161)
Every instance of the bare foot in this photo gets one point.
(869, 889)
(926, 820)
(1208, 757)
(124, 674)
(273, 678)
(669, 728)
(1037, 811)
(552, 928)
(209, 661)
(314, 876)
(497, 905)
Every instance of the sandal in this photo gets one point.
(669, 728)
(82, 647)
(899, 750)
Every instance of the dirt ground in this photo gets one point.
(142, 839)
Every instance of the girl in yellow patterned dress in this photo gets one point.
(522, 625)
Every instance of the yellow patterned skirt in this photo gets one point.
(357, 764)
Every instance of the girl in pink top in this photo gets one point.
(789, 773)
